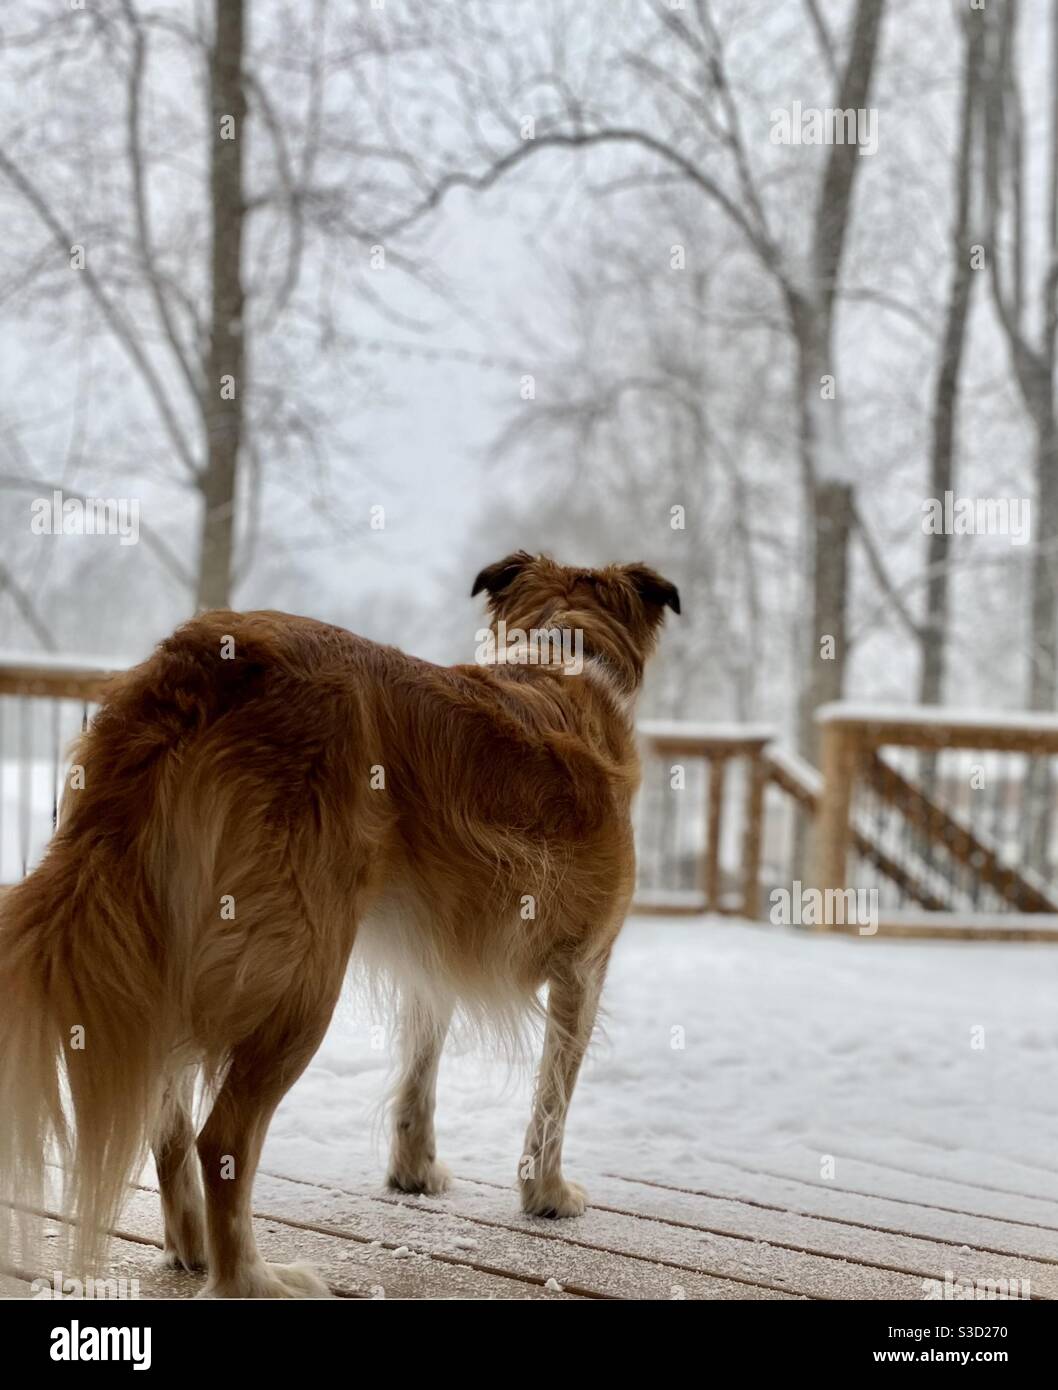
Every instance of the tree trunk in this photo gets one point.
(826, 472)
(1034, 370)
(225, 379)
(828, 507)
(1043, 679)
(833, 516)
(1038, 820)
(946, 391)
(828, 500)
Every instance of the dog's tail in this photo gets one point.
(81, 1023)
(94, 944)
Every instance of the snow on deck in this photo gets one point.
(770, 1114)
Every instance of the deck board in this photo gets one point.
(741, 1234)
(862, 1212)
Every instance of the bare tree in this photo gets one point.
(224, 374)
(1028, 315)
(806, 277)
(659, 417)
(812, 315)
(255, 152)
(936, 626)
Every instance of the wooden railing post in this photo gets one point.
(714, 831)
(839, 747)
(753, 835)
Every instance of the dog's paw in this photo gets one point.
(553, 1199)
(262, 1280)
(191, 1262)
(431, 1178)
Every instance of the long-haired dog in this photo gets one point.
(262, 792)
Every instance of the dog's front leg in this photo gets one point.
(573, 999)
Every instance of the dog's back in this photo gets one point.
(267, 777)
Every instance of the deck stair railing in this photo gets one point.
(962, 805)
(934, 812)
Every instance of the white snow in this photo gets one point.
(1017, 721)
(28, 789)
(50, 661)
(767, 1048)
(979, 921)
(682, 730)
(798, 769)
(682, 899)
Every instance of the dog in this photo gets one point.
(261, 793)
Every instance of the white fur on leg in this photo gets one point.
(169, 1258)
(261, 1280)
(185, 1239)
(553, 1197)
(429, 1176)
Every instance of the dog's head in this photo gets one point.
(618, 609)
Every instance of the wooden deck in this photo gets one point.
(739, 1233)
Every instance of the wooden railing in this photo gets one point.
(716, 811)
(694, 767)
(53, 678)
(939, 853)
(958, 811)
(44, 702)
(804, 785)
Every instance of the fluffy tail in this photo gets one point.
(81, 1032)
(91, 1019)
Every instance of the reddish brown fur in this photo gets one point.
(252, 777)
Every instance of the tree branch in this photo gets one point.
(28, 612)
(826, 42)
(27, 483)
(580, 140)
(835, 195)
(881, 574)
(118, 324)
(140, 203)
(291, 197)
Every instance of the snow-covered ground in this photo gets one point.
(936, 1058)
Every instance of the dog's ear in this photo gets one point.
(495, 578)
(652, 587)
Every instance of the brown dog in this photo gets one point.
(261, 792)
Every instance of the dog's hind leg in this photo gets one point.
(573, 999)
(183, 1210)
(261, 1070)
(413, 1165)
